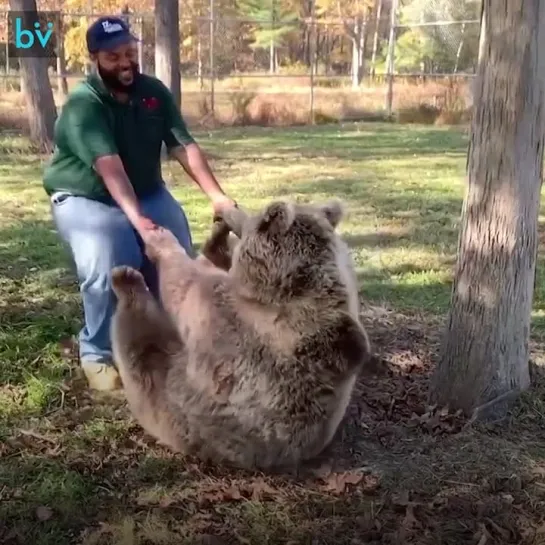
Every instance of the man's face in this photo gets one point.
(118, 67)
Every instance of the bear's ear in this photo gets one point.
(277, 218)
(334, 212)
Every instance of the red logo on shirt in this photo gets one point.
(150, 103)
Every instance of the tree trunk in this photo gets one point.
(199, 60)
(390, 59)
(272, 57)
(62, 82)
(355, 70)
(167, 46)
(375, 37)
(484, 356)
(272, 45)
(40, 103)
(460, 47)
(358, 51)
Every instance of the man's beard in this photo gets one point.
(112, 80)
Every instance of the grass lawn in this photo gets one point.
(76, 469)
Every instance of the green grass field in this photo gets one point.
(76, 469)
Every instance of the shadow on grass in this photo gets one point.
(39, 308)
(384, 196)
(349, 142)
(28, 246)
(44, 483)
(384, 290)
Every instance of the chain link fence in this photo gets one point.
(274, 66)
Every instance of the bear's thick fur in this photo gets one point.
(252, 361)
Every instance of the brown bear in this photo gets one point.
(251, 363)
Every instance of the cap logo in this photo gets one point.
(111, 27)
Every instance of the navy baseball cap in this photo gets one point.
(107, 33)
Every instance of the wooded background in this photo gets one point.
(301, 51)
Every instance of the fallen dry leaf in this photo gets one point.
(401, 499)
(232, 493)
(484, 535)
(337, 482)
(166, 501)
(410, 521)
(44, 513)
(408, 525)
(260, 489)
(220, 494)
(370, 483)
(505, 534)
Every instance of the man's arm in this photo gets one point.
(195, 164)
(90, 138)
(182, 146)
(111, 169)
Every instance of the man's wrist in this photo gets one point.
(217, 196)
(134, 215)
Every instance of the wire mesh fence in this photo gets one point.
(266, 62)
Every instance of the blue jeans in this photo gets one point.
(100, 238)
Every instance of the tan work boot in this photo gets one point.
(101, 375)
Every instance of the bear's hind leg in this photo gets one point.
(143, 337)
(145, 344)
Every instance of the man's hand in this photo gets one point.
(143, 225)
(220, 204)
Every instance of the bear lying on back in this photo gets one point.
(252, 366)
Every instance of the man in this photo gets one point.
(105, 181)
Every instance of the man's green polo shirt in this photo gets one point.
(93, 123)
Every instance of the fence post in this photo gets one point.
(312, 59)
(212, 63)
(390, 59)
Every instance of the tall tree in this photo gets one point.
(272, 22)
(62, 82)
(437, 48)
(354, 15)
(485, 354)
(41, 109)
(167, 45)
(378, 16)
